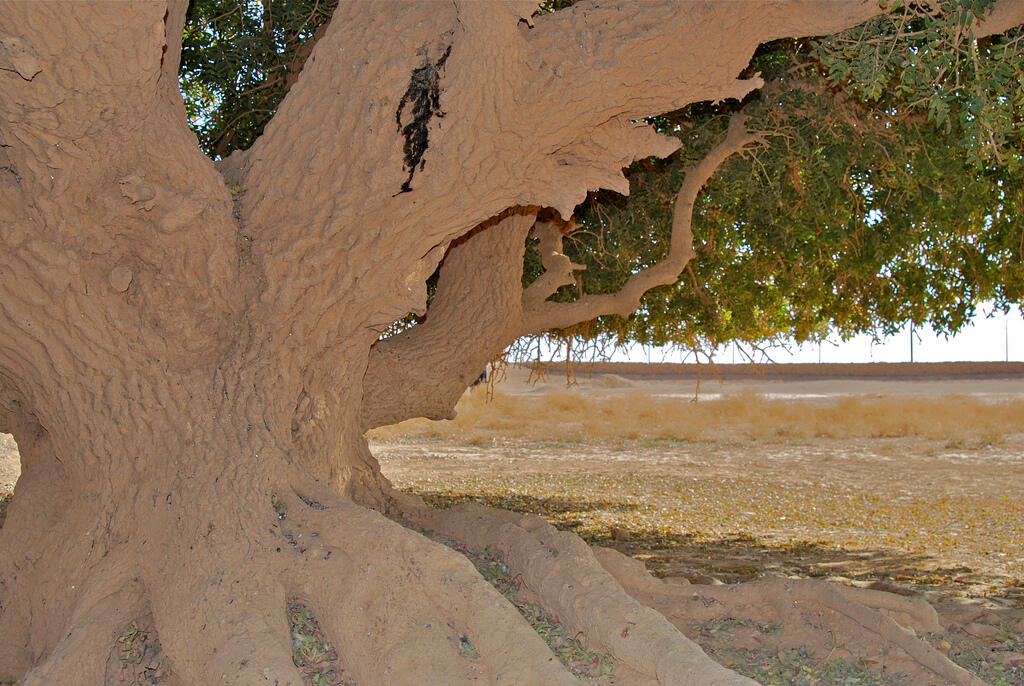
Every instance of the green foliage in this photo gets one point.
(890, 191)
(238, 59)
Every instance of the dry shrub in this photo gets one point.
(572, 416)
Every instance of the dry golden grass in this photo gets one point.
(568, 415)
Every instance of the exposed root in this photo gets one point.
(911, 612)
(78, 658)
(568, 646)
(223, 620)
(394, 607)
(401, 609)
(857, 620)
(560, 571)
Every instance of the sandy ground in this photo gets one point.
(904, 509)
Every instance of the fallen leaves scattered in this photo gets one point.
(819, 529)
(997, 658)
(140, 658)
(785, 666)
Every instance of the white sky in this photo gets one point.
(987, 339)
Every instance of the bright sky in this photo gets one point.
(987, 339)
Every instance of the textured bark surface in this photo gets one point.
(189, 373)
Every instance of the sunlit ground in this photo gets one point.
(908, 488)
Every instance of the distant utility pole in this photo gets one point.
(1006, 334)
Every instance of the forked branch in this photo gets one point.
(475, 315)
(558, 268)
(544, 315)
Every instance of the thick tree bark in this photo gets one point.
(178, 364)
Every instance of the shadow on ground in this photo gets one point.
(742, 557)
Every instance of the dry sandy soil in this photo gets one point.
(887, 478)
(949, 504)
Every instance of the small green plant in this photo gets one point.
(315, 657)
(466, 648)
(279, 507)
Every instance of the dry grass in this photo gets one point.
(567, 415)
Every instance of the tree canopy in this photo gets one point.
(887, 189)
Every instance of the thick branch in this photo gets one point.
(479, 310)
(517, 120)
(475, 315)
(130, 251)
(1005, 15)
(550, 315)
(648, 58)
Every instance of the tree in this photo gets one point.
(189, 370)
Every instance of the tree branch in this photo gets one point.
(475, 315)
(558, 268)
(649, 58)
(550, 315)
(518, 122)
(1005, 15)
(137, 248)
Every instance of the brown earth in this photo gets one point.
(930, 518)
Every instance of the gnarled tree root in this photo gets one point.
(589, 587)
(559, 570)
(401, 609)
(861, 622)
(398, 608)
(78, 658)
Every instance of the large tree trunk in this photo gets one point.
(189, 373)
